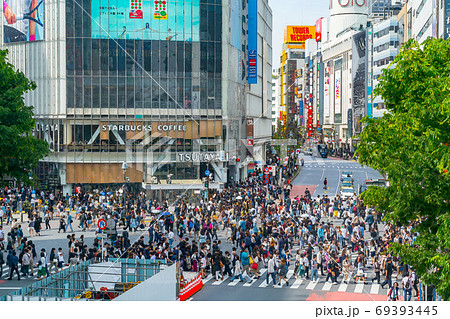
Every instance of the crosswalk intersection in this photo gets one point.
(6, 271)
(300, 283)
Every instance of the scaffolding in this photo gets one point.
(90, 280)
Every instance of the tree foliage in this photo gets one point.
(410, 145)
(20, 151)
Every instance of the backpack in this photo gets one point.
(408, 284)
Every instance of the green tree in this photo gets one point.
(20, 151)
(409, 144)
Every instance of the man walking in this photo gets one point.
(388, 274)
(13, 264)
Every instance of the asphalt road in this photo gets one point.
(316, 169)
(312, 175)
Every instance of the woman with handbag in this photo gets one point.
(255, 265)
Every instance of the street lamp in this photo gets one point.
(124, 168)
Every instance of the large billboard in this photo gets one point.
(23, 20)
(299, 34)
(146, 20)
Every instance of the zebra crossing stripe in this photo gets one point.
(216, 283)
(208, 278)
(288, 276)
(297, 283)
(375, 289)
(359, 288)
(234, 282)
(261, 271)
(264, 284)
(311, 285)
(343, 287)
(327, 286)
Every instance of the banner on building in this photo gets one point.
(145, 20)
(299, 34)
(319, 26)
(252, 41)
(326, 93)
(337, 91)
(359, 90)
(446, 19)
(23, 20)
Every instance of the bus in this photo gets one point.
(322, 148)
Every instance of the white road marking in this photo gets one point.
(327, 286)
(297, 283)
(216, 283)
(234, 282)
(343, 287)
(207, 279)
(359, 288)
(311, 285)
(375, 289)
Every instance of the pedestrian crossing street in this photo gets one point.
(300, 283)
(6, 270)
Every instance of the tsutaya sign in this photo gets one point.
(202, 157)
(140, 127)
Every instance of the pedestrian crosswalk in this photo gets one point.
(6, 272)
(299, 283)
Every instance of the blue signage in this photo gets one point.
(207, 173)
(266, 181)
(446, 19)
(252, 41)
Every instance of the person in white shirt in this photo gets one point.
(271, 270)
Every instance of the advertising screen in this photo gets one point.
(146, 20)
(23, 20)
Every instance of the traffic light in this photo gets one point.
(207, 182)
(238, 160)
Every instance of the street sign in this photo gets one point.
(266, 169)
(266, 181)
(284, 167)
(207, 173)
(101, 224)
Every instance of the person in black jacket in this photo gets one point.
(13, 263)
(388, 276)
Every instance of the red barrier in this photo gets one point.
(191, 288)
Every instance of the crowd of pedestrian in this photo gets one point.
(260, 224)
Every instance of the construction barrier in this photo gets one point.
(191, 288)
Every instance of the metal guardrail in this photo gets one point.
(73, 282)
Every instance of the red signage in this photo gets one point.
(319, 30)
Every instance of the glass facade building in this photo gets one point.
(161, 85)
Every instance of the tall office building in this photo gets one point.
(169, 87)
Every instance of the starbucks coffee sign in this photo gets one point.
(141, 127)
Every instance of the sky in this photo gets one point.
(293, 12)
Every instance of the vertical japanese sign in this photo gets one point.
(326, 93)
(252, 41)
(446, 19)
(337, 91)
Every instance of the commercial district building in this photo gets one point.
(173, 88)
(329, 71)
